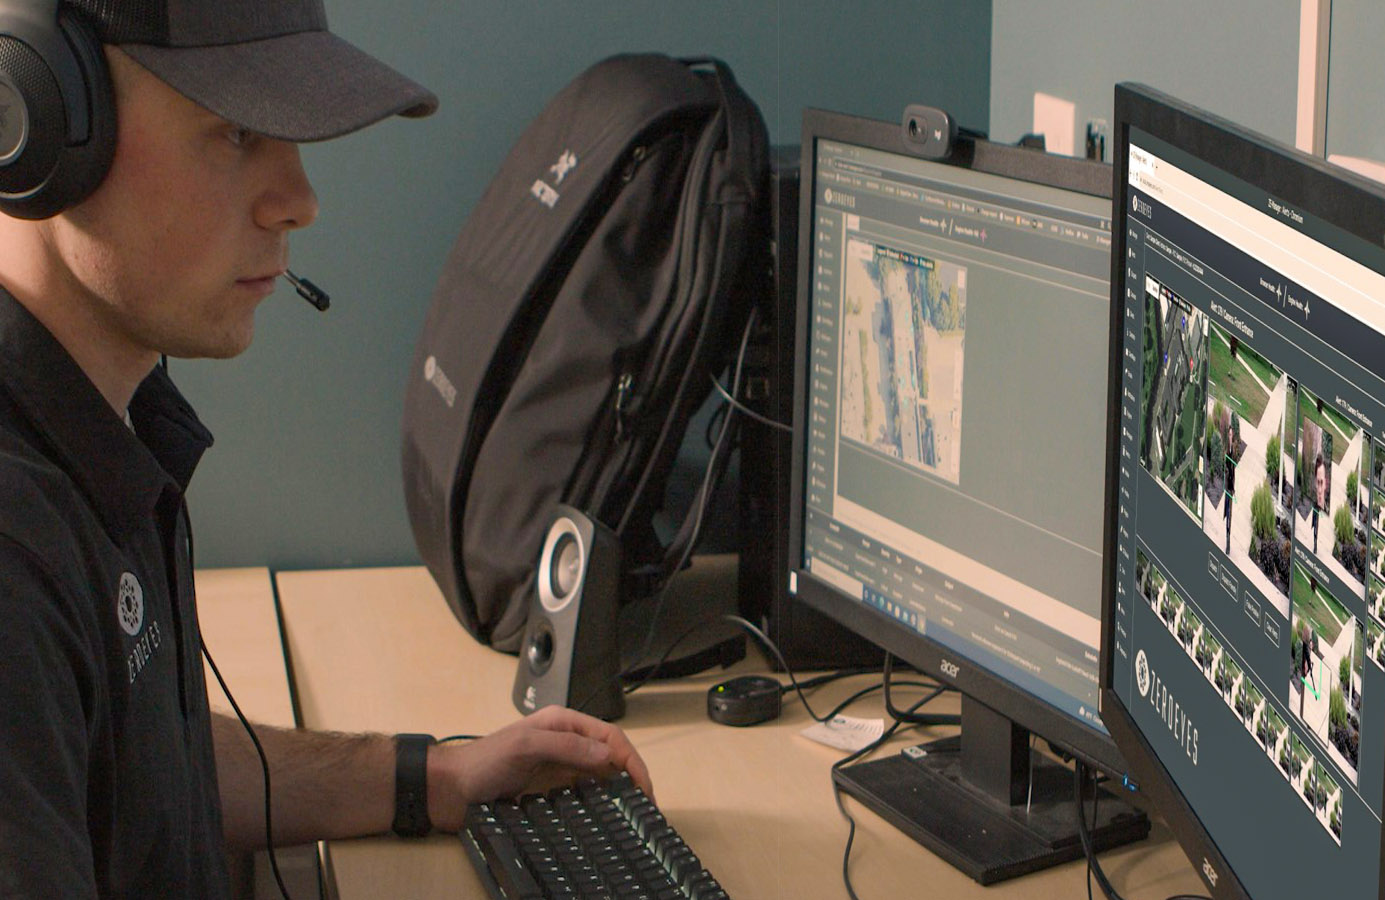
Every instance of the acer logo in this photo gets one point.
(1209, 872)
(950, 669)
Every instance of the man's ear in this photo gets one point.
(57, 110)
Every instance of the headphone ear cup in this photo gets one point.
(34, 127)
(44, 166)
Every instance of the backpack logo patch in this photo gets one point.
(434, 375)
(130, 604)
(565, 164)
(544, 192)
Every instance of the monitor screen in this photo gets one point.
(1246, 517)
(950, 416)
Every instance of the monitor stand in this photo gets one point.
(968, 800)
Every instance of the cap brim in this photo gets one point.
(308, 86)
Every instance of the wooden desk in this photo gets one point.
(240, 626)
(379, 650)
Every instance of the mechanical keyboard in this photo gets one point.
(596, 839)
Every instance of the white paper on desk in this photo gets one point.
(845, 732)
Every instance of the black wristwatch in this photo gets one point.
(411, 785)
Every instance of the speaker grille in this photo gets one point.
(47, 119)
(566, 570)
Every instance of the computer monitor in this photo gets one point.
(949, 463)
(1246, 503)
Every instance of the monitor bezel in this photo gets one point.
(1337, 197)
(1083, 176)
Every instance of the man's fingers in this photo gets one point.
(618, 752)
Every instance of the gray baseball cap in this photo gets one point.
(267, 65)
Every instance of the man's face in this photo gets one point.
(188, 232)
(1320, 482)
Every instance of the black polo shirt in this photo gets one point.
(107, 776)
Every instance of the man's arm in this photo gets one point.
(327, 785)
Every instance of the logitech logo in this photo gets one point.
(950, 669)
(434, 375)
(1174, 716)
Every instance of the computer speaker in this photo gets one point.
(570, 653)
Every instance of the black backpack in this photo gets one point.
(602, 280)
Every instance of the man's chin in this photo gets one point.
(228, 347)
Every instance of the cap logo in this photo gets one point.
(130, 604)
(14, 122)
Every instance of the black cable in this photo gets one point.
(745, 625)
(458, 737)
(794, 684)
(829, 677)
(1080, 773)
(245, 723)
(713, 421)
(703, 498)
(264, 766)
(747, 411)
(870, 689)
(837, 791)
(900, 715)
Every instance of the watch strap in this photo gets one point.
(411, 785)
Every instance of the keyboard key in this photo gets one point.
(502, 858)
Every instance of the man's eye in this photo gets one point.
(239, 136)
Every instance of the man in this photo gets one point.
(115, 781)
(1319, 494)
(1230, 494)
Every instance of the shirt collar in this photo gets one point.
(122, 473)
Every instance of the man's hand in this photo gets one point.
(550, 747)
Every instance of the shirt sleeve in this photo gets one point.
(48, 675)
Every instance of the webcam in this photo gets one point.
(928, 131)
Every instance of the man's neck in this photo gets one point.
(75, 321)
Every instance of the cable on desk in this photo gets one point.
(747, 626)
(1080, 778)
(458, 737)
(837, 791)
(829, 677)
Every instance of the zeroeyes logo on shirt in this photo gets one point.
(129, 608)
(130, 604)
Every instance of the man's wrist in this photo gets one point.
(411, 785)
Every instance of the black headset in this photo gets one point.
(57, 109)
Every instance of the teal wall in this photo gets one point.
(305, 470)
(1354, 124)
(1237, 58)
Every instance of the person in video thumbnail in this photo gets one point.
(1230, 489)
(1305, 671)
(1320, 492)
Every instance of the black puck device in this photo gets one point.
(744, 700)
